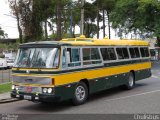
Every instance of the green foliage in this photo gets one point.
(137, 15)
(90, 29)
(5, 87)
(53, 36)
(30, 15)
(11, 46)
(108, 5)
(2, 33)
(89, 10)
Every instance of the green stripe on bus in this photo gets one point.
(106, 65)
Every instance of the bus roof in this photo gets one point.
(87, 42)
(104, 42)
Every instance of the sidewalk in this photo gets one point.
(5, 98)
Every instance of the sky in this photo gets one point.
(7, 21)
(9, 24)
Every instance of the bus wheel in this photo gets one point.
(80, 94)
(130, 82)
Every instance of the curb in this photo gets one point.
(8, 100)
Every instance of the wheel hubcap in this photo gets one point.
(131, 82)
(80, 93)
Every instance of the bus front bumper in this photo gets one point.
(35, 98)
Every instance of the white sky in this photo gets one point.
(9, 24)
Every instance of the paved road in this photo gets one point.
(144, 98)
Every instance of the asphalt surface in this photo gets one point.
(144, 98)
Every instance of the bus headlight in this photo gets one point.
(13, 87)
(49, 90)
(16, 87)
(44, 90)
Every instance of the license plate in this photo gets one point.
(27, 97)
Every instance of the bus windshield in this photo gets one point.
(37, 58)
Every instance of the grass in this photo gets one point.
(5, 87)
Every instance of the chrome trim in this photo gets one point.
(32, 80)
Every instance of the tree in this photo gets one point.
(104, 6)
(2, 33)
(16, 12)
(60, 17)
(108, 6)
(30, 15)
(137, 15)
(89, 18)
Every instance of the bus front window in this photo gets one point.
(37, 58)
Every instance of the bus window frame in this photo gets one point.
(108, 61)
(148, 52)
(67, 67)
(93, 65)
(120, 60)
(140, 57)
(81, 58)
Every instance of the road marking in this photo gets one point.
(133, 95)
(154, 76)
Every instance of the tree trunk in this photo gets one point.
(97, 23)
(45, 29)
(19, 30)
(88, 34)
(109, 27)
(18, 22)
(74, 31)
(59, 21)
(104, 26)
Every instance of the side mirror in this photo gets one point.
(68, 57)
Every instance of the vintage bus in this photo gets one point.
(74, 68)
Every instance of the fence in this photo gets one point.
(5, 76)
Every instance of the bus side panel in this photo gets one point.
(108, 82)
(142, 74)
(117, 80)
(96, 85)
(99, 79)
(65, 92)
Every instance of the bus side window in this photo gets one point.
(120, 53)
(132, 53)
(125, 53)
(105, 54)
(108, 54)
(91, 56)
(64, 61)
(73, 56)
(144, 52)
(112, 53)
(137, 52)
(94, 54)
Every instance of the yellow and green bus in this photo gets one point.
(74, 68)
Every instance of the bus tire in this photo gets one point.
(130, 82)
(80, 94)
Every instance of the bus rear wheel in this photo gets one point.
(130, 82)
(80, 94)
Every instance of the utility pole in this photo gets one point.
(82, 17)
